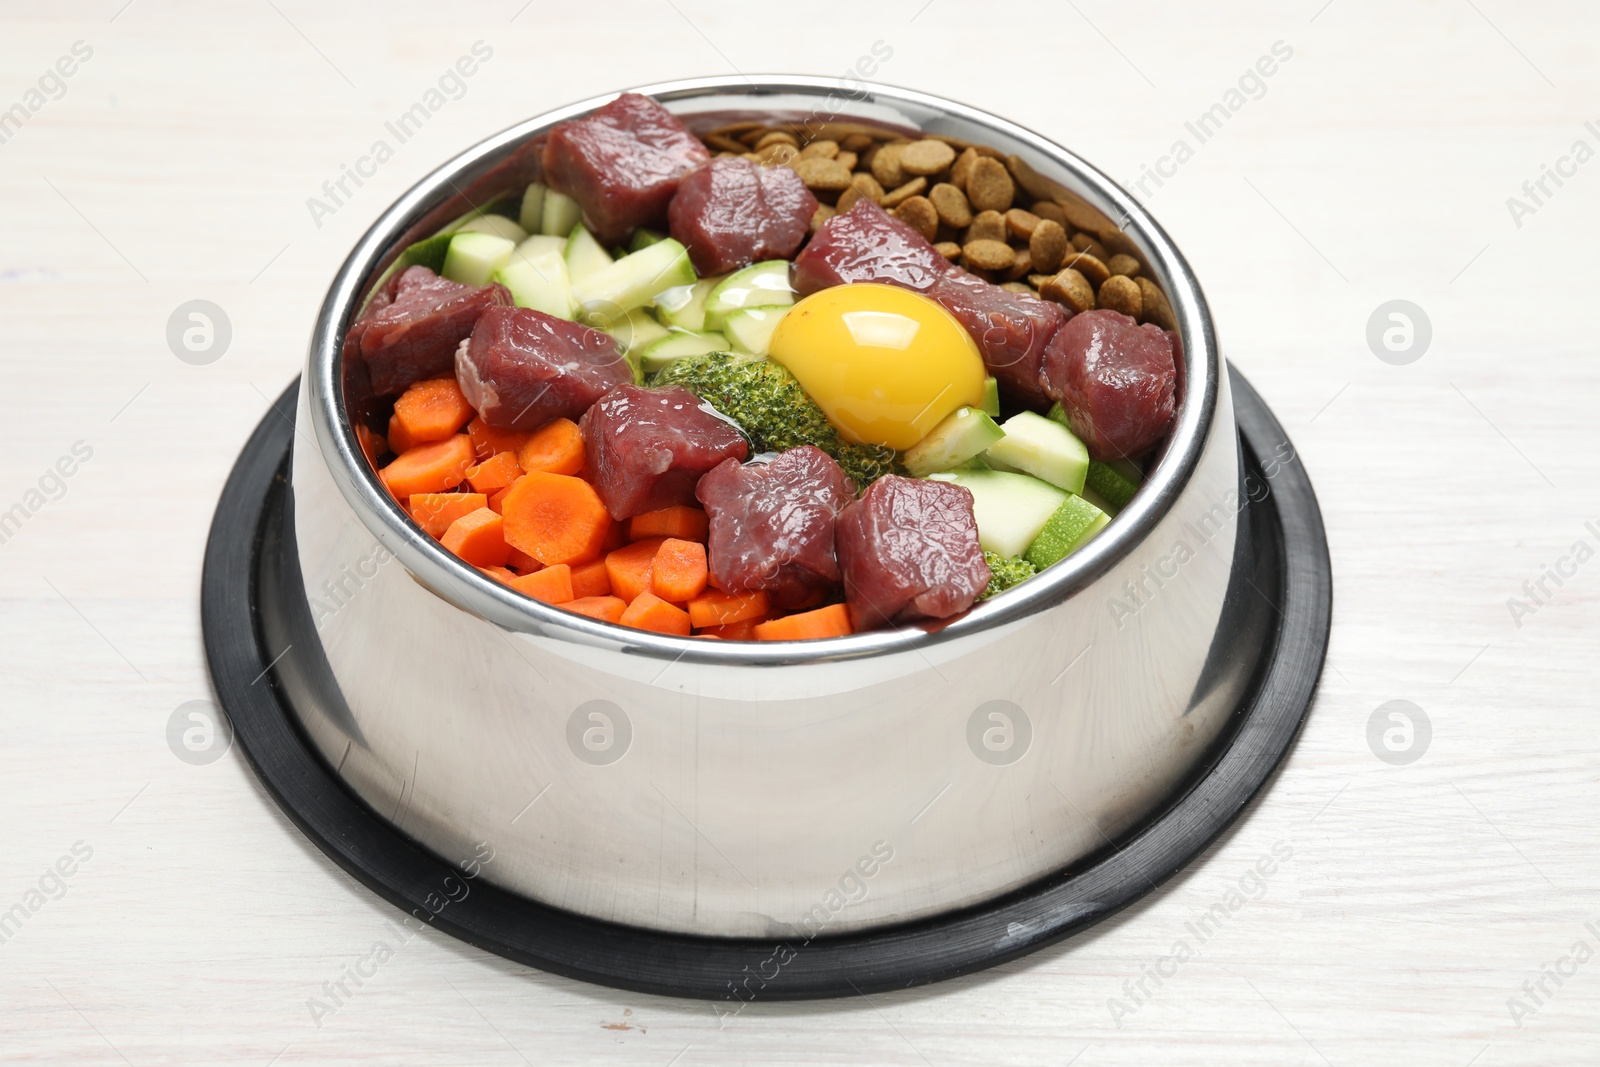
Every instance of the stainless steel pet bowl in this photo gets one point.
(756, 789)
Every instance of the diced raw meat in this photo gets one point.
(1116, 379)
(866, 244)
(521, 368)
(621, 164)
(645, 449)
(731, 212)
(772, 523)
(908, 549)
(414, 323)
(1012, 330)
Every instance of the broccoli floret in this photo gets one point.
(772, 409)
(1005, 572)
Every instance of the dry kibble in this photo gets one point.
(847, 199)
(1018, 287)
(989, 185)
(987, 226)
(948, 249)
(1049, 209)
(962, 167)
(1071, 289)
(886, 166)
(1048, 246)
(988, 255)
(777, 154)
(819, 216)
(772, 137)
(951, 204)
(893, 198)
(1020, 223)
(1089, 266)
(847, 160)
(1084, 217)
(1120, 293)
(868, 186)
(826, 175)
(723, 143)
(820, 150)
(918, 213)
(856, 142)
(1153, 305)
(1124, 265)
(926, 157)
(1085, 243)
(1022, 266)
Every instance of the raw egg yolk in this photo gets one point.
(884, 364)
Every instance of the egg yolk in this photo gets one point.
(884, 364)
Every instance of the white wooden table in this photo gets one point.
(1375, 165)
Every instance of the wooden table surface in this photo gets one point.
(1375, 164)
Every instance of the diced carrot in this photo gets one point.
(650, 612)
(399, 440)
(555, 518)
(523, 563)
(499, 574)
(715, 608)
(628, 568)
(497, 500)
(678, 572)
(435, 512)
(553, 585)
(429, 468)
(495, 473)
(680, 521)
(478, 538)
(555, 448)
(604, 608)
(590, 579)
(831, 621)
(432, 410)
(734, 631)
(488, 441)
(372, 443)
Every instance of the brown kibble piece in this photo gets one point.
(1124, 265)
(893, 198)
(822, 174)
(987, 226)
(988, 255)
(777, 154)
(1049, 209)
(856, 142)
(886, 166)
(951, 204)
(723, 143)
(847, 199)
(820, 150)
(1069, 288)
(918, 213)
(772, 137)
(1022, 266)
(819, 216)
(1020, 223)
(1084, 242)
(1048, 246)
(926, 157)
(948, 249)
(847, 160)
(1089, 266)
(1084, 217)
(1018, 287)
(1153, 305)
(962, 168)
(989, 185)
(1120, 293)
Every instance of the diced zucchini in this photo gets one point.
(1010, 509)
(677, 344)
(531, 214)
(643, 238)
(637, 329)
(750, 330)
(758, 285)
(584, 255)
(1073, 523)
(538, 281)
(1043, 448)
(558, 214)
(960, 436)
(539, 244)
(991, 398)
(498, 225)
(474, 257)
(633, 281)
(1116, 481)
(684, 306)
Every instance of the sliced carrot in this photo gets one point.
(523, 563)
(399, 440)
(590, 579)
(604, 608)
(497, 500)
(628, 568)
(831, 621)
(553, 585)
(716, 608)
(432, 410)
(495, 473)
(429, 468)
(488, 441)
(680, 521)
(555, 448)
(372, 443)
(478, 538)
(499, 574)
(555, 518)
(650, 612)
(435, 512)
(678, 572)
(734, 631)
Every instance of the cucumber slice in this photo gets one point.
(758, 285)
(637, 329)
(658, 354)
(539, 282)
(1073, 523)
(684, 306)
(584, 255)
(531, 213)
(539, 244)
(474, 257)
(558, 214)
(991, 398)
(631, 282)
(1011, 509)
(1116, 481)
(643, 239)
(498, 225)
(1043, 448)
(750, 330)
(960, 436)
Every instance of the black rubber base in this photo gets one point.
(251, 602)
